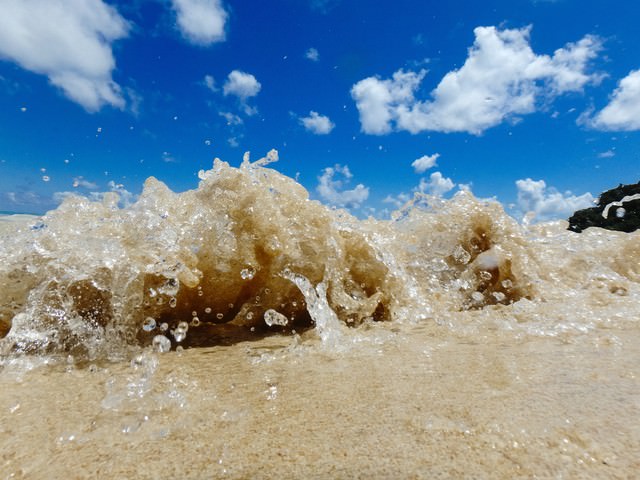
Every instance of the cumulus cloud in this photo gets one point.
(501, 78)
(312, 54)
(623, 111)
(425, 162)
(546, 203)
(242, 85)
(69, 41)
(333, 190)
(437, 185)
(201, 21)
(317, 124)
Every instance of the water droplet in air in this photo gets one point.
(180, 332)
(194, 314)
(271, 317)
(164, 327)
(195, 322)
(620, 212)
(45, 178)
(207, 310)
(247, 273)
(250, 316)
(149, 324)
(161, 344)
(220, 316)
(507, 284)
(173, 302)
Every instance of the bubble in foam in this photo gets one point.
(271, 317)
(180, 332)
(484, 275)
(149, 324)
(247, 273)
(477, 297)
(461, 255)
(161, 344)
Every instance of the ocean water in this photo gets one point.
(241, 330)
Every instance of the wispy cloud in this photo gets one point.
(312, 54)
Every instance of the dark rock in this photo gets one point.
(617, 209)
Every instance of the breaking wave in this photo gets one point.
(247, 254)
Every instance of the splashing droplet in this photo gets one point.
(161, 344)
(180, 332)
(271, 317)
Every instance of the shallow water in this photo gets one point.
(448, 342)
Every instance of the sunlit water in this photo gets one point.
(240, 330)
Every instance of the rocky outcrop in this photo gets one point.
(617, 209)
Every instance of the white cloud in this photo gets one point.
(242, 85)
(380, 101)
(84, 183)
(437, 185)
(425, 162)
(318, 124)
(69, 41)
(332, 191)
(324, 6)
(210, 83)
(623, 111)
(607, 154)
(501, 78)
(534, 198)
(398, 201)
(201, 21)
(231, 118)
(312, 54)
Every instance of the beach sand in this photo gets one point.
(400, 402)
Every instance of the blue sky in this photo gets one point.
(536, 103)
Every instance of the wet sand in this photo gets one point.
(400, 402)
